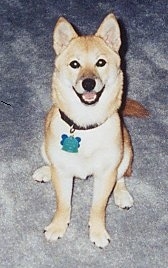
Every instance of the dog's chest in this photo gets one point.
(97, 149)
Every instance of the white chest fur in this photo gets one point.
(100, 148)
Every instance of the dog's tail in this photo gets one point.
(134, 108)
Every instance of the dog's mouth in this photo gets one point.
(89, 98)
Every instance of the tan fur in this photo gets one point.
(105, 151)
(133, 108)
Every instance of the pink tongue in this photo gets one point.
(89, 95)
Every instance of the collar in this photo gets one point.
(73, 125)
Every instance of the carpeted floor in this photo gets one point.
(139, 236)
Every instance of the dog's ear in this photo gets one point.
(63, 34)
(109, 30)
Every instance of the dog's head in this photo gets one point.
(87, 80)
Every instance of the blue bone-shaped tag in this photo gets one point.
(70, 144)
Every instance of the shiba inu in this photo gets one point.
(84, 135)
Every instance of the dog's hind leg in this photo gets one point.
(42, 174)
(122, 197)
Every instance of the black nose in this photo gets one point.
(88, 84)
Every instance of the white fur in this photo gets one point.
(97, 152)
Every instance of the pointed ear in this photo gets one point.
(109, 30)
(63, 34)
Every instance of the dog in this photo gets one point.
(84, 134)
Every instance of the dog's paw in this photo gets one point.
(42, 174)
(99, 237)
(55, 231)
(123, 199)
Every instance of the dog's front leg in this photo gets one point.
(102, 189)
(63, 189)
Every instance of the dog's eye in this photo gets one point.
(100, 63)
(74, 64)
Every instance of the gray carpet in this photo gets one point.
(139, 236)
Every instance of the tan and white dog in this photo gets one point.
(84, 135)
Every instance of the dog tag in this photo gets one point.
(70, 144)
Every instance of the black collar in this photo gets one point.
(72, 124)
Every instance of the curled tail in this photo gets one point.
(134, 108)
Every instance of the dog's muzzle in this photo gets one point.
(89, 96)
